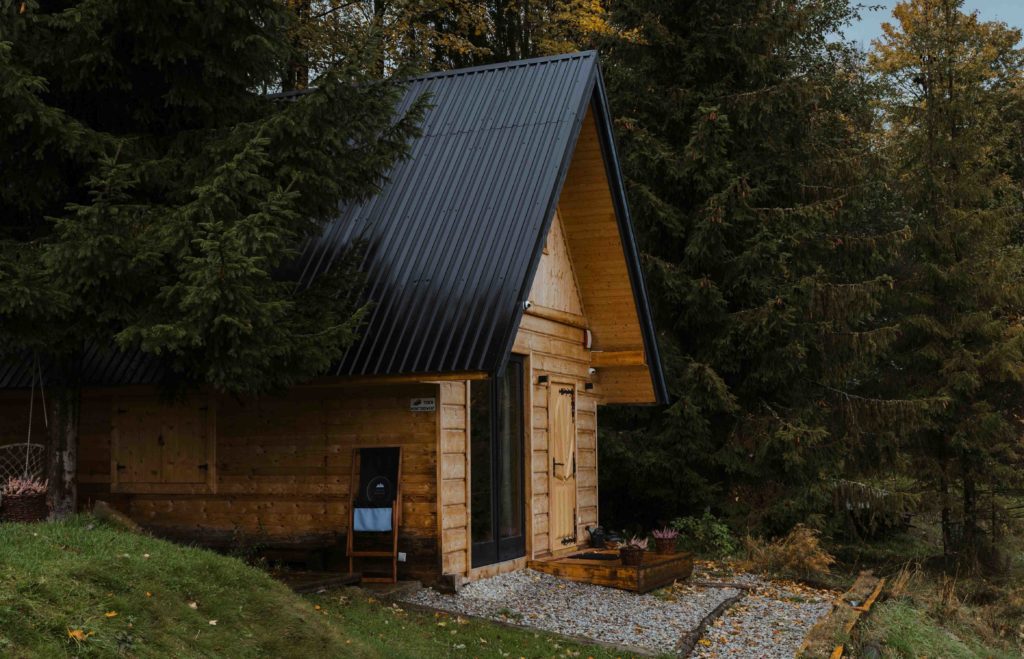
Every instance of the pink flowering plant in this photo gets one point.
(665, 534)
(636, 542)
(23, 487)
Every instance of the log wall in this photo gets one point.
(282, 468)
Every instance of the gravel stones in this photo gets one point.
(533, 599)
(769, 619)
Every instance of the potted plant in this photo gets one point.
(665, 540)
(23, 500)
(632, 551)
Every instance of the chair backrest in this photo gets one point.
(22, 459)
(378, 477)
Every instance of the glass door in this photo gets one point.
(496, 462)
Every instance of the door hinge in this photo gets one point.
(120, 467)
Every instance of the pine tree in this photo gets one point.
(444, 34)
(950, 79)
(154, 198)
(519, 30)
(768, 239)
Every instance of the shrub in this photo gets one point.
(798, 554)
(706, 535)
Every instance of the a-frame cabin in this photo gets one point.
(509, 305)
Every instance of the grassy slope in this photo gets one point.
(69, 575)
(905, 630)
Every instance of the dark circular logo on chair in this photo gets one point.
(379, 490)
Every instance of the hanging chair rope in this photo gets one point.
(27, 460)
(37, 372)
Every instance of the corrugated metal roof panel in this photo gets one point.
(451, 236)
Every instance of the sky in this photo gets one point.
(870, 26)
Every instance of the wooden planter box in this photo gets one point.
(655, 570)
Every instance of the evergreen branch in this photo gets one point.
(762, 90)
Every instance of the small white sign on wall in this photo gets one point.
(423, 404)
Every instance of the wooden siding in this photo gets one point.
(556, 350)
(587, 214)
(283, 468)
(555, 285)
(453, 474)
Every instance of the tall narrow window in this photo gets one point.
(496, 429)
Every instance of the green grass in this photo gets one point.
(62, 577)
(904, 630)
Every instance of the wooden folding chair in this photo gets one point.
(359, 499)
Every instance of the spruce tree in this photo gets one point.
(950, 79)
(154, 196)
(768, 240)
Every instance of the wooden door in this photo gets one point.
(162, 447)
(562, 451)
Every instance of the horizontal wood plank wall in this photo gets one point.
(284, 467)
(587, 215)
(454, 477)
(586, 463)
(556, 350)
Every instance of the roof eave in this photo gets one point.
(603, 119)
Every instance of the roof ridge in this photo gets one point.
(497, 66)
(451, 73)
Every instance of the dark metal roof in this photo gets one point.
(454, 237)
(453, 234)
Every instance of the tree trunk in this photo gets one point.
(379, 16)
(969, 543)
(296, 75)
(947, 536)
(64, 412)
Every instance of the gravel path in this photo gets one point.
(547, 602)
(769, 620)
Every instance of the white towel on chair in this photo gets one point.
(372, 519)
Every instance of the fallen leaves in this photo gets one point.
(213, 622)
(111, 614)
(79, 635)
(193, 605)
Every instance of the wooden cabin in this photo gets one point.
(509, 306)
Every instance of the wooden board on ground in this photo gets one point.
(313, 582)
(657, 570)
(822, 640)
